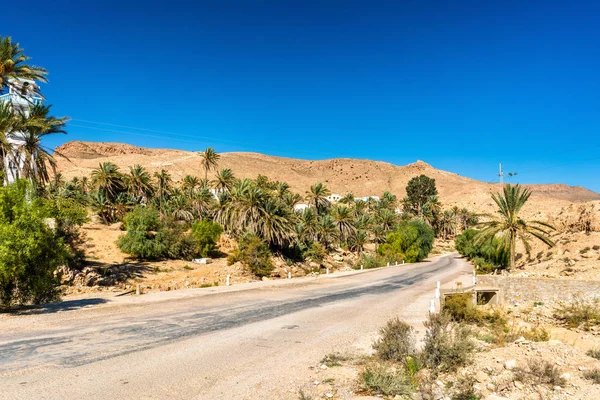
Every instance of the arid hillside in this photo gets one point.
(360, 177)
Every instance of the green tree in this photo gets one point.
(139, 183)
(30, 250)
(509, 227)
(35, 125)
(412, 241)
(209, 160)
(317, 197)
(418, 192)
(14, 66)
(108, 179)
(163, 186)
(224, 180)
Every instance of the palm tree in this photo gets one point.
(189, 184)
(509, 226)
(13, 65)
(139, 182)
(344, 221)
(317, 197)
(8, 124)
(224, 180)
(35, 125)
(356, 242)
(108, 180)
(163, 186)
(327, 231)
(348, 198)
(209, 160)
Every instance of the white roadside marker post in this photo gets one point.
(437, 293)
(289, 275)
(402, 262)
(432, 306)
(228, 280)
(361, 267)
(327, 271)
(439, 285)
(137, 289)
(388, 264)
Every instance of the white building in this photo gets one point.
(301, 207)
(367, 198)
(21, 96)
(334, 198)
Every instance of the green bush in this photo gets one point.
(383, 379)
(149, 237)
(411, 242)
(461, 309)
(315, 252)
(397, 341)
(30, 249)
(254, 254)
(206, 234)
(489, 256)
(448, 345)
(594, 353)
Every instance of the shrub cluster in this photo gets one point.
(411, 242)
(36, 236)
(150, 237)
(254, 254)
(489, 255)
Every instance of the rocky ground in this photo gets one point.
(106, 268)
(498, 371)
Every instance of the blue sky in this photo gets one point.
(461, 84)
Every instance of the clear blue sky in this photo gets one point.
(459, 84)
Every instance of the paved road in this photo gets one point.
(249, 344)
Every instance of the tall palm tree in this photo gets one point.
(108, 180)
(509, 227)
(163, 186)
(317, 197)
(139, 182)
(223, 181)
(327, 231)
(14, 66)
(344, 221)
(35, 126)
(8, 124)
(209, 160)
(189, 184)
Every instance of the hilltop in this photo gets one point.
(342, 175)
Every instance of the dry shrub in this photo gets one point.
(387, 380)
(540, 372)
(397, 341)
(579, 312)
(448, 345)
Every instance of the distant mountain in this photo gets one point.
(341, 175)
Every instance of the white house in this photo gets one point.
(301, 207)
(21, 96)
(334, 198)
(367, 198)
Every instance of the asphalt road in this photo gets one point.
(249, 344)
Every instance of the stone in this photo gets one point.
(491, 387)
(554, 342)
(323, 366)
(519, 385)
(510, 365)
(481, 377)
(338, 258)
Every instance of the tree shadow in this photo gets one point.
(68, 305)
(115, 274)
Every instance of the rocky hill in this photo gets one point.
(342, 175)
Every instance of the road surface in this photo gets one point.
(248, 344)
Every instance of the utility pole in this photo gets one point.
(501, 175)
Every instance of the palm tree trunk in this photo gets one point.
(513, 245)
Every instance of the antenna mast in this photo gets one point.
(501, 175)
